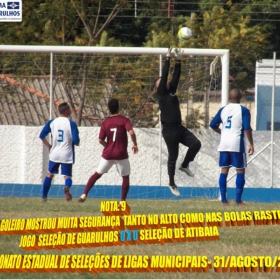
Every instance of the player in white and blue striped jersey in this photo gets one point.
(235, 122)
(65, 135)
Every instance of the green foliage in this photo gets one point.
(194, 120)
(161, 40)
(238, 26)
(20, 33)
(215, 25)
(228, 29)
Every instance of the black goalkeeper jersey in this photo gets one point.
(167, 98)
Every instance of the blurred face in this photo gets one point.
(68, 111)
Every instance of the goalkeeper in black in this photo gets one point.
(172, 130)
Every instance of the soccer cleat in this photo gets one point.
(68, 195)
(225, 203)
(174, 190)
(44, 199)
(187, 171)
(82, 198)
(241, 203)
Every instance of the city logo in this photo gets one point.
(10, 11)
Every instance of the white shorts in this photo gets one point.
(123, 166)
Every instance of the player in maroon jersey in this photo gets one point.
(113, 136)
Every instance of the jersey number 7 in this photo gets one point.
(115, 132)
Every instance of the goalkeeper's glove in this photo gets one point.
(169, 54)
(178, 53)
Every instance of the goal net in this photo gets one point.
(33, 80)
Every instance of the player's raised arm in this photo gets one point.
(162, 81)
(178, 53)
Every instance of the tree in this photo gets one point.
(215, 24)
(25, 32)
(222, 28)
(60, 22)
(89, 15)
(266, 12)
(254, 30)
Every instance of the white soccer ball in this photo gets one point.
(185, 33)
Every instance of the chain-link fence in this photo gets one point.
(31, 81)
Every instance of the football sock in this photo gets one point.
(223, 187)
(91, 182)
(240, 182)
(68, 182)
(46, 187)
(185, 164)
(171, 180)
(125, 187)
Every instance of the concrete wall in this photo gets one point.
(266, 79)
(24, 160)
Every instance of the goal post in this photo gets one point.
(223, 53)
(123, 71)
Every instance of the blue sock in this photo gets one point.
(240, 182)
(223, 187)
(46, 187)
(68, 182)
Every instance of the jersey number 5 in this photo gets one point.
(115, 132)
(228, 126)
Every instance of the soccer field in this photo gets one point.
(250, 240)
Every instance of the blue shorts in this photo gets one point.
(66, 168)
(233, 159)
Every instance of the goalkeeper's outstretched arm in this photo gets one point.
(178, 53)
(162, 81)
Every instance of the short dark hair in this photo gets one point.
(235, 94)
(113, 105)
(63, 107)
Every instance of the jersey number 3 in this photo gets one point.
(60, 135)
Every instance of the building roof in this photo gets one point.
(26, 101)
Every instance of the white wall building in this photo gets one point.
(24, 161)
